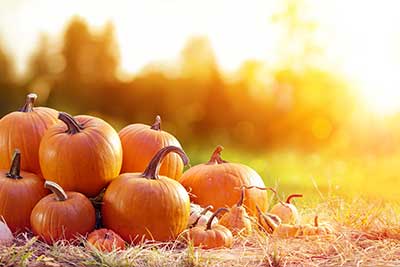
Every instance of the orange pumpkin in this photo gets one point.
(62, 215)
(81, 154)
(140, 142)
(209, 236)
(24, 130)
(215, 183)
(287, 211)
(237, 220)
(19, 193)
(317, 228)
(106, 240)
(146, 205)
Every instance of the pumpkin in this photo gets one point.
(200, 216)
(216, 183)
(81, 154)
(287, 211)
(210, 236)
(265, 223)
(140, 142)
(145, 205)
(24, 130)
(6, 236)
(316, 228)
(106, 240)
(237, 220)
(19, 193)
(62, 215)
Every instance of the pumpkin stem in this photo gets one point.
(289, 198)
(73, 126)
(57, 190)
(241, 199)
(15, 169)
(153, 168)
(218, 211)
(216, 156)
(316, 221)
(30, 100)
(157, 124)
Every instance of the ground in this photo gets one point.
(366, 234)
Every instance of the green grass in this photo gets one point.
(375, 177)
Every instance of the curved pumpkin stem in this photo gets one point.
(57, 190)
(218, 211)
(289, 198)
(73, 126)
(241, 199)
(153, 168)
(216, 156)
(30, 100)
(15, 169)
(316, 221)
(157, 124)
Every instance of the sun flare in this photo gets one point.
(360, 38)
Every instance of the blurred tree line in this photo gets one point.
(259, 106)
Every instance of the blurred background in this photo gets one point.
(304, 91)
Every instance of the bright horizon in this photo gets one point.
(360, 38)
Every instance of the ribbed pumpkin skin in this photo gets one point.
(18, 197)
(218, 184)
(54, 220)
(217, 237)
(83, 162)
(134, 206)
(24, 130)
(140, 143)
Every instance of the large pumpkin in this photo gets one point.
(218, 183)
(24, 130)
(147, 206)
(62, 215)
(81, 154)
(19, 193)
(141, 142)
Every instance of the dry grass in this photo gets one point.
(367, 234)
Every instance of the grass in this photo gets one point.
(366, 234)
(345, 192)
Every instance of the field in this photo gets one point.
(367, 231)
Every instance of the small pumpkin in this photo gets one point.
(19, 193)
(24, 129)
(200, 216)
(215, 183)
(210, 236)
(272, 224)
(62, 215)
(106, 240)
(140, 142)
(317, 228)
(236, 219)
(146, 205)
(287, 211)
(81, 154)
(6, 236)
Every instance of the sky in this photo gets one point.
(361, 38)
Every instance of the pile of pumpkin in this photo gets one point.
(52, 163)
